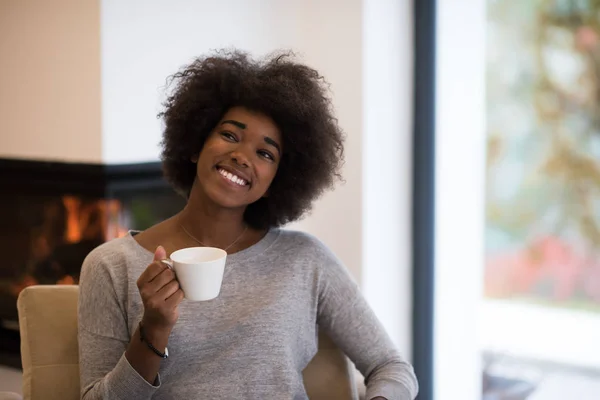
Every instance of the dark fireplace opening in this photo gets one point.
(53, 214)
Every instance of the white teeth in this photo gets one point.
(232, 177)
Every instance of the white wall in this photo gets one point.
(50, 80)
(140, 49)
(460, 168)
(387, 164)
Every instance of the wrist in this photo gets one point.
(156, 332)
(160, 349)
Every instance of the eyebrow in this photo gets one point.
(241, 125)
(273, 143)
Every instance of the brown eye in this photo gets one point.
(266, 155)
(229, 136)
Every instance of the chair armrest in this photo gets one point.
(360, 385)
(10, 396)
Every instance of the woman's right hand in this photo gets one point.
(160, 294)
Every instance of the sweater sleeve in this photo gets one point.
(104, 336)
(350, 322)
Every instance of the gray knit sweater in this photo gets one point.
(251, 342)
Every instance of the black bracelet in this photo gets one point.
(154, 349)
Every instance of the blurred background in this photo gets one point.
(542, 232)
(472, 180)
(516, 189)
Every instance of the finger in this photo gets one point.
(165, 276)
(151, 272)
(155, 299)
(155, 268)
(167, 290)
(176, 298)
(160, 253)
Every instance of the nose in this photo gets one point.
(240, 158)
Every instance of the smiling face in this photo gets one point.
(239, 159)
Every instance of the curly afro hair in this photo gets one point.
(293, 95)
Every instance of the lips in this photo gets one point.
(233, 176)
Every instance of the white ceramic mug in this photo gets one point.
(199, 271)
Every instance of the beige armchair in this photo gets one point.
(48, 324)
(10, 396)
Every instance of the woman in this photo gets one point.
(251, 145)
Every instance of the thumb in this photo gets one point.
(160, 253)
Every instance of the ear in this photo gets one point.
(194, 158)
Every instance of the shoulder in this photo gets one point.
(307, 252)
(299, 240)
(305, 246)
(113, 257)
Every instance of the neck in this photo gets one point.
(211, 225)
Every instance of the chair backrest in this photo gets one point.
(330, 375)
(49, 351)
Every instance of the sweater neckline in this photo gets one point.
(256, 249)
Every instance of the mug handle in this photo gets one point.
(168, 262)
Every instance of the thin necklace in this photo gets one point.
(201, 243)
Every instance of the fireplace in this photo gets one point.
(53, 214)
